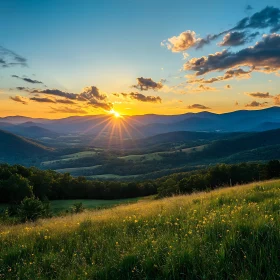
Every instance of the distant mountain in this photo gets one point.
(151, 124)
(15, 147)
(229, 122)
(22, 119)
(32, 131)
(3, 125)
(267, 126)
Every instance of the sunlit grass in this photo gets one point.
(230, 233)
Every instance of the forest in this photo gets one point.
(18, 182)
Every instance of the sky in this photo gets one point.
(60, 58)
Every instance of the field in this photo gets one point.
(110, 177)
(59, 206)
(71, 157)
(62, 205)
(158, 155)
(231, 233)
(76, 170)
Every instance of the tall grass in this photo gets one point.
(231, 233)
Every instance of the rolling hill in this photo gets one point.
(31, 131)
(14, 147)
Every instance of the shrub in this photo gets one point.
(32, 208)
(77, 208)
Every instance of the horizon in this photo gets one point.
(72, 67)
(104, 114)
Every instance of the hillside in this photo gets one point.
(170, 139)
(32, 131)
(16, 147)
(232, 233)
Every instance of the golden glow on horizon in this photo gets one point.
(115, 113)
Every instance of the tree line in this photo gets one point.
(18, 182)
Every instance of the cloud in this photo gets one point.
(238, 73)
(22, 88)
(207, 40)
(206, 88)
(182, 42)
(256, 104)
(55, 92)
(64, 101)
(141, 97)
(19, 99)
(185, 56)
(67, 110)
(265, 53)
(259, 94)
(234, 39)
(237, 38)
(42, 99)
(276, 99)
(97, 104)
(49, 100)
(269, 17)
(89, 93)
(28, 80)
(198, 106)
(187, 40)
(9, 58)
(147, 83)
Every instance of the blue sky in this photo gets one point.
(70, 45)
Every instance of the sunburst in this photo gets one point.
(115, 113)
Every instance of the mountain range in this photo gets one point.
(145, 125)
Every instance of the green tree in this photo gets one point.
(32, 208)
(273, 169)
(17, 188)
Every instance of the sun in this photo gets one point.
(115, 114)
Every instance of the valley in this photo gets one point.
(69, 145)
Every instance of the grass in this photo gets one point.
(71, 157)
(111, 176)
(58, 206)
(75, 170)
(142, 157)
(81, 154)
(158, 155)
(231, 233)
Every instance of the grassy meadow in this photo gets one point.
(59, 206)
(230, 233)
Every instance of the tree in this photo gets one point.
(32, 208)
(273, 169)
(17, 188)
